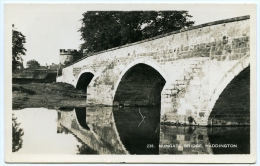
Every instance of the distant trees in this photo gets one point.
(18, 40)
(102, 30)
(32, 64)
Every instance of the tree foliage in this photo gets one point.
(102, 30)
(17, 134)
(32, 64)
(164, 21)
(18, 40)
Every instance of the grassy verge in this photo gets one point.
(48, 95)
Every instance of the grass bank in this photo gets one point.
(48, 95)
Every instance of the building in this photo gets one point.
(68, 56)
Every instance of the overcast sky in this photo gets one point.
(49, 28)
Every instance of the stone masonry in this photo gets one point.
(194, 64)
(68, 56)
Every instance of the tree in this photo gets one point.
(17, 134)
(18, 40)
(32, 64)
(103, 30)
(160, 22)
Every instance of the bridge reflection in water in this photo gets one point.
(133, 130)
(138, 129)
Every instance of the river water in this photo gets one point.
(106, 130)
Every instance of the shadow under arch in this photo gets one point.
(141, 85)
(233, 104)
(149, 62)
(84, 80)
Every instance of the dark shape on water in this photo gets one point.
(239, 136)
(138, 134)
(66, 108)
(84, 149)
(81, 117)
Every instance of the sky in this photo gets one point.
(49, 28)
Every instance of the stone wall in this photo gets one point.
(68, 56)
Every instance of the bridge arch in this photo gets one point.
(148, 62)
(138, 70)
(241, 66)
(227, 78)
(84, 78)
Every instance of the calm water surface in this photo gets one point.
(109, 130)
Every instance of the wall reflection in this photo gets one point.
(82, 117)
(205, 140)
(100, 137)
(184, 140)
(137, 130)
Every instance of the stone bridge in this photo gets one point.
(184, 71)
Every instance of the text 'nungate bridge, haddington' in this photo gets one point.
(184, 72)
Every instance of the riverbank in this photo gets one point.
(47, 95)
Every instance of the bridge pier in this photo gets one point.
(187, 96)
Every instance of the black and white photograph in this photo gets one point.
(133, 83)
